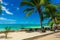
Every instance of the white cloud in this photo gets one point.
(6, 10)
(7, 21)
(2, 18)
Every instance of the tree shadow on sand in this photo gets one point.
(3, 37)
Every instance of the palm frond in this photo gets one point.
(29, 13)
(46, 10)
(35, 2)
(27, 3)
(7, 28)
(28, 9)
(51, 9)
(41, 2)
(51, 22)
(45, 2)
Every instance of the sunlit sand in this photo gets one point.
(21, 35)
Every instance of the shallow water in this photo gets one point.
(19, 26)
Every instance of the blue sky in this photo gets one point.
(12, 13)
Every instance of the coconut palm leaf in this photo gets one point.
(27, 3)
(36, 2)
(46, 13)
(51, 10)
(50, 20)
(29, 13)
(28, 9)
(7, 28)
(51, 23)
(51, 7)
(45, 2)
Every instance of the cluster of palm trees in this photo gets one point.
(49, 10)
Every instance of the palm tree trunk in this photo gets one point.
(41, 18)
(40, 15)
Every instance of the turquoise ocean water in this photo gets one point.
(19, 26)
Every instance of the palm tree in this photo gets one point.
(50, 11)
(57, 19)
(34, 4)
(7, 30)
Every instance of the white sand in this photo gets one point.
(55, 36)
(21, 35)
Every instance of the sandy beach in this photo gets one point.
(21, 35)
(55, 36)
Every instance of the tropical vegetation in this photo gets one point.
(50, 10)
(7, 30)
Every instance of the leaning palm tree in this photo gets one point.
(7, 30)
(35, 5)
